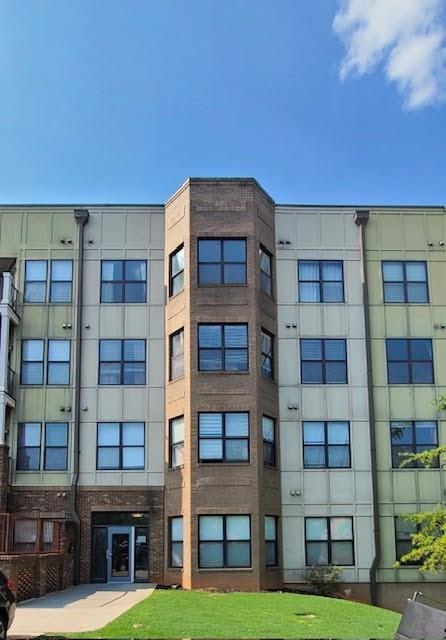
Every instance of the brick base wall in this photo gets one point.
(4, 476)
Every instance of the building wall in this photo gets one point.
(322, 233)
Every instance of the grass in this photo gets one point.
(201, 614)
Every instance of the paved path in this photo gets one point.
(82, 608)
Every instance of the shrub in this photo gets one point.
(324, 581)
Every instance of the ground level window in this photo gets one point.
(224, 541)
(329, 541)
(176, 541)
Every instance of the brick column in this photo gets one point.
(4, 476)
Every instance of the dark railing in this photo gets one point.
(21, 534)
(11, 383)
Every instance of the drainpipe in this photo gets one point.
(81, 216)
(361, 219)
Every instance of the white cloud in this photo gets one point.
(406, 37)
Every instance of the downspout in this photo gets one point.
(361, 219)
(81, 216)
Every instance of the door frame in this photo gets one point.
(126, 529)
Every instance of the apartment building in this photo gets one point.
(214, 392)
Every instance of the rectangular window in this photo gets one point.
(36, 281)
(221, 261)
(321, 281)
(54, 446)
(31, 370)
(176, 271)
(123, 281)
(412, 437)
(176, 342)
(326, 445)
(224, 437)
(409, 361)
(329, 541)
(267, 355)
(323, 361)
(403, 538)
(120, 445)
(405, 281)
(61, 280)
(223, 347)
(122, 362)
(176, 430)
(269, 441)
(271, 555)
(58, 369)
(176, 542)
(266, 271)
(224, 541)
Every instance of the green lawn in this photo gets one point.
(201, 614)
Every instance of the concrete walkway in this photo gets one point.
(82, 608)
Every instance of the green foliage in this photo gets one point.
(427, 458)
(439, 403)
(324, 581)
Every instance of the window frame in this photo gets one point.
(323, 361)
(174, 276)
(48, 282)
(330, 540)
(171, 542)
(123, 282)
(224, 438)
(41, 362)
(275, 541)
(173, 357)
(320, 281)
(413, 445)
(263, 275)
(265, 356)
(52, 281)
(43, 447)
(405, 281)
(122, 362)
(121, 446)
(224, 541)
(222, 263)
(398, 554)
(272, 444)
(50, 362)
(175, 445)
(326, 446)
(410, 361)
(223, 349)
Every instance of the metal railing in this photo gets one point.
(11, 383)
(9, 293)
(29, 535)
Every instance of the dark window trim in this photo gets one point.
(123, 281)
(265, 355)
(275, 541)
(404, 281)
(122, 362)
(270, 443)
(410, 361)
(398, 554)
(267, 276)
(173, 276)
(222, 262)
(323, 361)
(42, 362)
(223, 348)
(43, 446)
(171, 565)
(120, 446)
(224, 542)
(413, 444)
(223, 438)
(20, 425)
(329, 539)
(325, 445)
(48, 281)
(48, 362)
(172, 357)
(51, 282)
(173, 445)
(320, 281)
(46, 447)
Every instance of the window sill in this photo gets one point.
(181, 466)
(175, 295)
(227, 373)
(223, 463)
(224, 569)
(223, 285)
(171, 380)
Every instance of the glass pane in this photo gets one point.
(401, 433)
(422, 373)
(317, 553)
(236, 424)
(309, 292)
(35, 270)
(399, 452)
(393, 292)
(176, 529)
(211, 449)
(56, 458)
(60, 292)
(35, 292)
(177, 554)
(32, 350)
(312, 372)
(58, 373)
(398, 372)
(112, 270)
(209, 273)
(237, 528)
(29, 434)
(270, 555)
(110, 373)
(211, 528)
(338, 456)
(211, 554)
(236, 335)
(270, 528)
(341, 528)
(314, 456)
(333, 292)
(177, 262)
(335, 349)
(133, 458)
(112, 292)
(177, 455)
(109, 350)
(134, 350)
(397, 350)
(211, 424)
(237, 450)
(234, 273)
(32, 373)
(342, 553)
(135, 270)
(265, 283)
(308, 270)
(417, 292)
(332, 270)
(311, 349)
(178, 343)
(210, 335)
(266, 343)
(134, 373)
(234, 250)
(211, 360)
(426, 433)
(236, 360)
(314, 432)
(56, 434)
(404, 528)
(416, 271)
(108, 433)
(338, 433)
(209, 251)
(265, 262)
(393, 271)
(61, 270)
(133, 433)
(178, 283)
(120, 555)
(268, 428)
(421, 349)
(336, 373)
(141, 554)
(58, 350)
(238, 554)
(28, 459)
(108, 458)
(135, 292)
(177, 426)
(316, 529)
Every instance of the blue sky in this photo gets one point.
(121, 100)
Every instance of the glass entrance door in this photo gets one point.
(120, 554)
